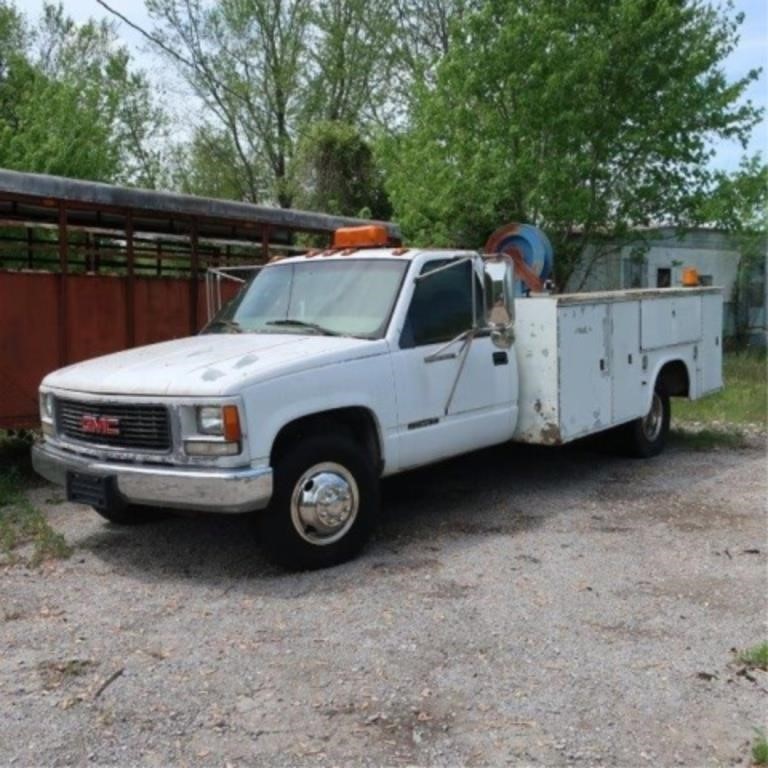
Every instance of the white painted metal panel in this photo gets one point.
(709, 364)
(670, 320)
(585, 376)
(482, 410)
(628, 401)
(538, 418)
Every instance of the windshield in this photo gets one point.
(350, 297)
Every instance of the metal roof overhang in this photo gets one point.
(31, 199)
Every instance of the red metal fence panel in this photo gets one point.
(31, 344)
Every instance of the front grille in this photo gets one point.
(143, 427)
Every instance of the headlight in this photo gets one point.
(222, 421)
(46, 407)
(210, 420)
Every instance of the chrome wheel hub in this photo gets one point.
(654, 419)
(324, 503)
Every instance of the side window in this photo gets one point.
(441, 307)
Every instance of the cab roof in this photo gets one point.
(406, 254)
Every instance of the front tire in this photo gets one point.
(324, 506)
(647, 436)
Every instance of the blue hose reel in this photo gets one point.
(532, 247)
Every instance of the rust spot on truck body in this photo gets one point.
(550, 434)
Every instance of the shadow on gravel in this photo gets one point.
(496, 491)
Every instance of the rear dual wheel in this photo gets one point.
(646, 437)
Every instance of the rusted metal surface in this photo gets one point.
(81, 265)
(216, 218)
(63, 296)
(96, 325)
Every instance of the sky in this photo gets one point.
(752, 53)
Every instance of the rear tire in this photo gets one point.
(647, 436)
(324, 506)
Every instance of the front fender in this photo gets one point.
(367, 383)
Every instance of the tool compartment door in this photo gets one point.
(709, 364)
(667, 321)
(585, 375)
(627, 388)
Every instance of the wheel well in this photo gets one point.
(356, 422)
(674, 378)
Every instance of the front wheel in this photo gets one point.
(647, 436)
(324, 506)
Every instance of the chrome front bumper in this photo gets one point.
(192, 488)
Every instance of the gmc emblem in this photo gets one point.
(100, 425)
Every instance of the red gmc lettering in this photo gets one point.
(100, 425)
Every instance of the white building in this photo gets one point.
(658, 260)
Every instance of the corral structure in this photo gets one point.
(89, 268)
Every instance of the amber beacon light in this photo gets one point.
(367, 236)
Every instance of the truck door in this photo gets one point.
(450, 399)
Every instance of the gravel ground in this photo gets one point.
(518, 606)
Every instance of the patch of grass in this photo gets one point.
(744, 398)
(755, 657)
(22, 523)
(14, 450)
(55, 673)
(760, 748)
(710, 439)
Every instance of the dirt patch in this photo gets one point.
(518, 606)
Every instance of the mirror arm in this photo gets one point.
(438, 354)
(464, 352)
(434, 271)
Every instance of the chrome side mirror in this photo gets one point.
(500, 299)
(503, 338)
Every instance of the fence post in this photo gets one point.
(63, 287)
(130, 317)
(194, 265)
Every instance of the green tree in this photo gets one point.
(738, 203)
(266, 71)
(336, 173)
(586, 117)
(71, 104)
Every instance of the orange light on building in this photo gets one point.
(690, 277)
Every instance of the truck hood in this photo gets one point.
(208, 365)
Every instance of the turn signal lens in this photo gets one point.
(231, 423)
(46, 407)
(210, 448)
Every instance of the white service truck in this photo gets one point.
(331, 370)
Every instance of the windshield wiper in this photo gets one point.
(302, 324)
(231, 325)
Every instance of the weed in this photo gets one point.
(708, 439)
(15, 450)
(755, 657)
(55, 673)
(744, 399)
(760, 748)
(22, 523)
